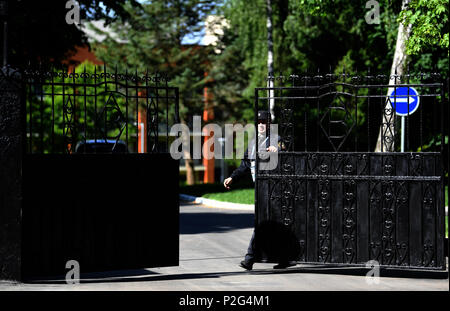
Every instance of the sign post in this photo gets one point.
(405, 101)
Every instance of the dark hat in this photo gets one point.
(263, 115)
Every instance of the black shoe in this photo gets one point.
(246, 264)
(284, 265)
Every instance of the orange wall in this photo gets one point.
(83, 53)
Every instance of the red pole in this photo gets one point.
(142, 130)
(208, 115)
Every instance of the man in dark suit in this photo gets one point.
(248, 166)
(248, 162)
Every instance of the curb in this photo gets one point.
(217, 204)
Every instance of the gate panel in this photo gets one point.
(105, 211)
(350, 219)
(344, 203)
(97, 182)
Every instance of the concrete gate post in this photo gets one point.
(11, 152)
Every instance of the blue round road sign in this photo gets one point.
(404, 103)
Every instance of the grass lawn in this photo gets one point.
(446, 226)
(243, 195)
(446, 195)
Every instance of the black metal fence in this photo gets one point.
(68, 108)
(73, 185)
(343, 203)
(332, 112)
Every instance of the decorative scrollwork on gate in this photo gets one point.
(300, 202)
(428, 207)
(415, 165)
(287, 202)
(42, 73)
(286, 125)
(320, 164)
(152, 124)
(68, 125)
(324, 220)
(111, 121)
(349, 166)
(388, 131)
(338, 120)
(374, 208)
(401, 202)
(349, 217)
(388, 166)
(287, 164)
(388, 238)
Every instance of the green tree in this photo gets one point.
(429, 25)
(151, 39)
(312, 35)
(38, 31)
(306, 40)
(421, 38)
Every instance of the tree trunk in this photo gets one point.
(270, 58)
(386, 135)
(189, 162)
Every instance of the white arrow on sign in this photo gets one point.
(403, 99)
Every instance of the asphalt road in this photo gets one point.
(212, 243)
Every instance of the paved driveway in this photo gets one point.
(212, 243)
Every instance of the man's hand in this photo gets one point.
(272, 149)
(227, 182)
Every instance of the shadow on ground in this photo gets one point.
(143, 275)
(207, 222)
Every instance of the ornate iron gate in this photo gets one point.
(342, 203)
(86, 190)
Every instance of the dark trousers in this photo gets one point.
(250, 256)
(250, 250)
